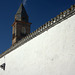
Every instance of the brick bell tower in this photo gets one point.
(21, 26)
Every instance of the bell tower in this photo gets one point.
(21, 25)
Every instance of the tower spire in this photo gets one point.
(21, 14)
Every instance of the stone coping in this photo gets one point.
(59, 18)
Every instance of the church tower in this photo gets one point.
(21, 26)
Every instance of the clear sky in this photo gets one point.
(39, 12)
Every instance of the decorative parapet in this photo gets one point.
(59, 18)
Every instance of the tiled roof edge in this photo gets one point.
(59, 18)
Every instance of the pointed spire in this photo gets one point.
(21, 14)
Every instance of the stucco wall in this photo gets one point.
(51, 53)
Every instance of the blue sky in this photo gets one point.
(39, 12)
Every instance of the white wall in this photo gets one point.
(51, 53)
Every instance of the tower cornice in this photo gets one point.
(21, 22)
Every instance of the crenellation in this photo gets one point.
(72, 8)
(61, 15)
(28, 36)
(31, 34)
(59, 18)
(52, 21)
(64, 13)
(68, 11)
(34, 33)
(55, 19)
(45, 25)
(41, 28)
(38, 30)
(49, 23)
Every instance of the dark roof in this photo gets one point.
(22, 12)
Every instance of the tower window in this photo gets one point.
(23, 30)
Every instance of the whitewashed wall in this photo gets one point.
(51, 53)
